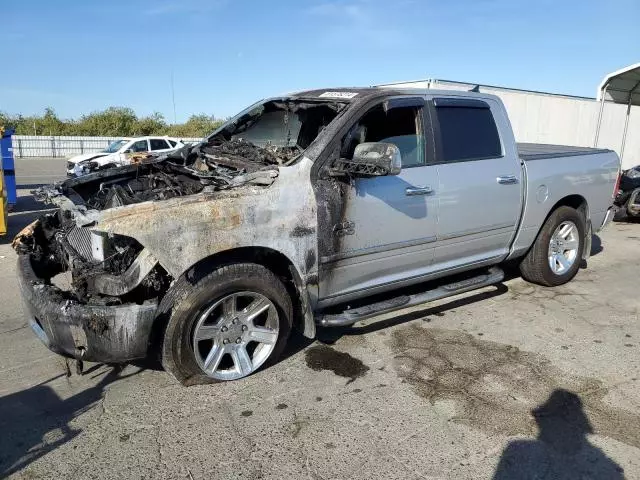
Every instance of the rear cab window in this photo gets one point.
(465, 130)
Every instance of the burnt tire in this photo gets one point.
(536, 267)
(196, 292)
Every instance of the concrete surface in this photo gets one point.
(514, 381)
(36, 171)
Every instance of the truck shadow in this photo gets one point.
(25, 211)
(36, 421)
(333, 334)
(628, 220)
(596, 245)
(330, 335)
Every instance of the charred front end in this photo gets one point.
(93, 295)
(94, 272)
(88, 296)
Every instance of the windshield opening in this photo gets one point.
(114, 146)
(283, 127)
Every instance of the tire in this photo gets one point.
(186, 305)
(536, 265)
(621, 212)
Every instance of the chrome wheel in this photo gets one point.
(235, 335)
(563, 247)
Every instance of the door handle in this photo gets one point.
(507, 180)
(411, 191)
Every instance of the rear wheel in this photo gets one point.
(227, 324)
(555, 256)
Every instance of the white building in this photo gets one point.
(540, 117)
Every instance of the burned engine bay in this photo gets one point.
(247, 150)
(225, 164)
(109, 269)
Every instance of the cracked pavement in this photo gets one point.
(517, 381)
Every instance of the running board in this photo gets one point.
(353, 315)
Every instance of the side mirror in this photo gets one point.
(371, 159)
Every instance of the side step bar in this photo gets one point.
(351, 316)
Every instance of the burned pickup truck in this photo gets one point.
(318, 208)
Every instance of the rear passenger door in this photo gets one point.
(479, 181)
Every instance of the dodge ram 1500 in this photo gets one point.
(318, 208)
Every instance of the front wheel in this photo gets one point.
(227, 324)
(555, 256)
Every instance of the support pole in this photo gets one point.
(626, 126)
(604, 94)
(626, 120)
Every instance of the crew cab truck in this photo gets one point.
(318, 208)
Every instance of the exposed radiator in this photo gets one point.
(80, 240)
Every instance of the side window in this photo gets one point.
(401, 126)
(467, 130)
(173, 143)
(139, 146)
(158, 144)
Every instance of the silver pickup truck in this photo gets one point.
(317, 208)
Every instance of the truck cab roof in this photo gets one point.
(354, 94)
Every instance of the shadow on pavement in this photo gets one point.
(562, 449)
(25, 211)
(596, 245)
(628, 220)
(36, 421)
(333, 334)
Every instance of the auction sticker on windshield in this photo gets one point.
(338, 94)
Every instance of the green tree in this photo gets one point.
(112, 122)
(196, 126)
(153, 124)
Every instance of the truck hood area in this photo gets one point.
(247, 150)
(190, 170)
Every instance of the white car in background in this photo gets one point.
(119, 153)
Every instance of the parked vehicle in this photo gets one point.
(119, 153)
(296, 210)
(628, 195)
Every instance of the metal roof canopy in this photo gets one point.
(621, 86)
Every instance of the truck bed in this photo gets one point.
(538, 151)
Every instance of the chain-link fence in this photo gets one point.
(25, 146)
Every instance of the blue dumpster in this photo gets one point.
(8, 167)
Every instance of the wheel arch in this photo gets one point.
(580, 204)
(522, 247)
(575, 201)
(279, 264)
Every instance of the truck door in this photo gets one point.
(388, 224)
(479, 187)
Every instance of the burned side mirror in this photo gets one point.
(372, 159)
